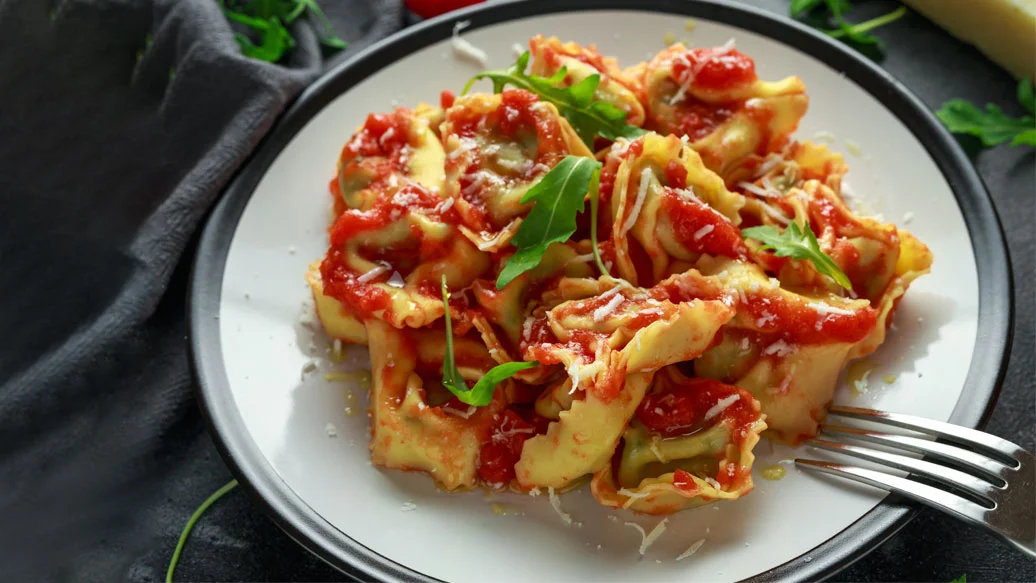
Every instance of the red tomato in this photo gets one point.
(431, 8)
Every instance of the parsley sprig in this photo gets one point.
(481, 394)
(798, 243)
(269, 19)
(588, 117)
(854, 34)
(559, 196)
(993, 126)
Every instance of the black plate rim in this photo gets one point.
(305, 526)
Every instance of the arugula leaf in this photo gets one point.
(799, 6)
(1026, 96)
(962, 579)
(268, 20)
(797, 243)
(855, 34)
(559, 198)
(576, 103)
(482, 393)
(186, 532)
(992, 126)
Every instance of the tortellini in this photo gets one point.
(712, 96)
(662, 352)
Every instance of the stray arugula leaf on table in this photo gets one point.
(855, 34)
(481, 394)
(992, 125)
(798, 243)
(962, 579)
(186, 532)
(559, 196)
(588, 117)
(269, 19)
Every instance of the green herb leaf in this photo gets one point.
(857, 33)
(962, 579)
(559, 197)
(267, 20)
(589, 118)
(798, 7)
(1026, 96)
(797, 243)
(992, 126)
(190, 526)
(482, 393)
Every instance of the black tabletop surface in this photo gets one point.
(235, 541)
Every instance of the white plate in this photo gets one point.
(249, 346)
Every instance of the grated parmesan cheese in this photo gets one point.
(658, 452)
(555, 503)
(631, 497)
(691, 549)
(446, 205)
(574, 372)
(826, 310)
(408, 506)
(372, 274)
(824, 136)
(465, 414)
(776, 214)
(581, 259)
(703, 231)
(641, 195)
(464, 50)
(712, 482)
(779, 348)
(758, 190)
(770, 163)
(607, 309)
(396, 280)
(647, 539)
(331, 430)
(308, 367)
(907, 218)
(721, 406)
(517, 49)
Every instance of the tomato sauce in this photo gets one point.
(802, 324)
(676, 174)
(691, 220)
(697, 120)
(362, 299)
(680, 410)
(502, 451)
(683, 481)
(386, 210)
(714, 69)
(383, 134)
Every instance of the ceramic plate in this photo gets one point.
(274, 423)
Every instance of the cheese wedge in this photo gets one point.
(1004, 30)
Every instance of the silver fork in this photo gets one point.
(989, 481)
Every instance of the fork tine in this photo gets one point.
(941, 474)
(941, 451)
(915, 490)
(991, 445)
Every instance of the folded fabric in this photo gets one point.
(120, 124)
